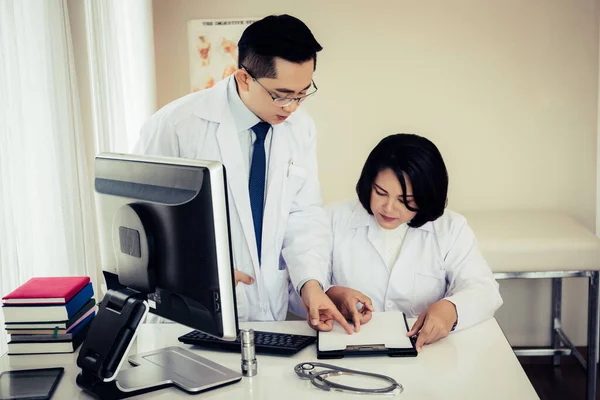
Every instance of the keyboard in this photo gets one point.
(264, 342)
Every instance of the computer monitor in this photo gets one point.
(164, 232)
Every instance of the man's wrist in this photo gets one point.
(309, 284)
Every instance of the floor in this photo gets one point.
(556, 383)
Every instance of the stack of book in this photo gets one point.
(49, 315)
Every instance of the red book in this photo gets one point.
(47, 290)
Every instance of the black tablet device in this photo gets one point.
(29, 384)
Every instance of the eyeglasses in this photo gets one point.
(284, 101)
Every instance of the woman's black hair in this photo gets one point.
(280, 36)
(421, 161)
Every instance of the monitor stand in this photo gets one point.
(110, 336)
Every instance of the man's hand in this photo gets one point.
(435, 323)
(346, 300)
(242, 277)
(321, 311)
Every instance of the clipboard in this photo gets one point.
(384, 334)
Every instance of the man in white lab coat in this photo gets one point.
(251, 122)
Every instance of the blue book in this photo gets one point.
(43, 313)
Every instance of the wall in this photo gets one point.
(507, 90)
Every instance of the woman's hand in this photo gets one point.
(435, 323)
(346, 300)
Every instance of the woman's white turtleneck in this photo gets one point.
(391, 240)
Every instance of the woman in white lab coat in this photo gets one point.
(396, 248)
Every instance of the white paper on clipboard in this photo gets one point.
(387, 328)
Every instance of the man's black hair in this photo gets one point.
(280, 36)
(421, 161)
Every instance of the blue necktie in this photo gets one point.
(256, 185)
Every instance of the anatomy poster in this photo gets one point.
(212, 45)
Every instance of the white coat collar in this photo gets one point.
(216, 108)
(360, 218)
(243, 117)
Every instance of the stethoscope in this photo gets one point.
(320, 379)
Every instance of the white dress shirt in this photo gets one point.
(244, 120)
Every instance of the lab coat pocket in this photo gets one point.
(293, 182)
(280, 298)
(296, 176)
(242, 302)
(282, 264)
(296, 172)
(429, 287)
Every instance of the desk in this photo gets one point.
(477, 363)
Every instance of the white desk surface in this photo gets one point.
(477, 363)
